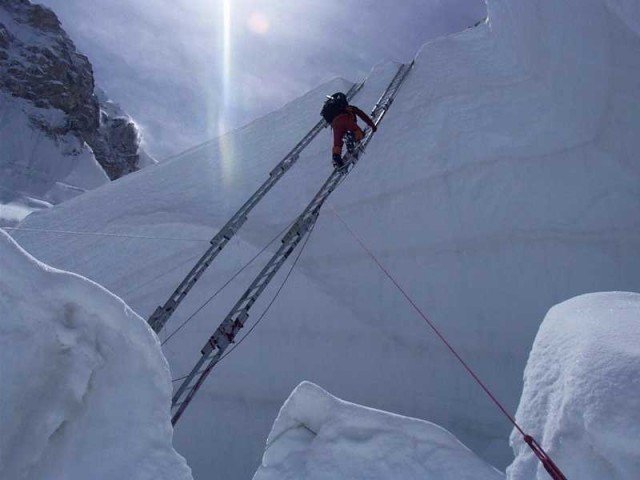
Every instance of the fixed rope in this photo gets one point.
(266, 310)
(103, 234)
(253, 327)
(158, 277)
(233, 277)
(547, 462)
(214, 353)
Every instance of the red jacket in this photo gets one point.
(346, 122)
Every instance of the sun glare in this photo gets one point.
(257, 23)
(226, 148)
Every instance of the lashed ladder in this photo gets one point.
(225, 334)
(161, 315)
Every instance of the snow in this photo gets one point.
(37, 170)
(84, 386)
(581, 397)
(503, 180)
(627, 11)
(318, 436)
(40, 164)
(15, 211)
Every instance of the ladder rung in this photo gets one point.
(188, 389)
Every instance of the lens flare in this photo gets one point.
(258, 23)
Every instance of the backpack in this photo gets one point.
(334, 106)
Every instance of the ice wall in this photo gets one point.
(581, 396)
(503, 181)
(84, 388)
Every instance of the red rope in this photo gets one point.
(549, 465)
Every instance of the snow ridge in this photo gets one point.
(581, 394)
(317, 436)
(85, 388)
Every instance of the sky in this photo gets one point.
(189, 70)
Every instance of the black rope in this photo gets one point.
(215, 294)
(253, 327)
(138, 287)
(306, 240)
(103, 234)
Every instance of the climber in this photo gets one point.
(342, 118)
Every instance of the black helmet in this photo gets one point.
(334, 106)
(339, 97)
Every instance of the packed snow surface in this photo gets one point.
(320, 437)
(84, 388)
(581, 396)
(504, 179)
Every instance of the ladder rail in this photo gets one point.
(225, 334)
(160, 316)
(178, 403)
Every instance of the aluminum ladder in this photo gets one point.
(225, 334)
(161, 315)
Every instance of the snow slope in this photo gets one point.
(84, 387)
(503, 180)
(36, 168)
(581, 396)
(317, 436)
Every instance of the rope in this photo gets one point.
(253, 327)
(158, 277)
(546, 461)
(552, 469)
(215, 294)
(179, 379)
(295, 261)
(344, 176)
(103, 234)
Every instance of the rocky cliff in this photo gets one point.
(39, 63)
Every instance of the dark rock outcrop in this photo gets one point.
(39, 62)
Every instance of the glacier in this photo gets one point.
(504, 180)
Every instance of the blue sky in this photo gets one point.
(187, 70)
